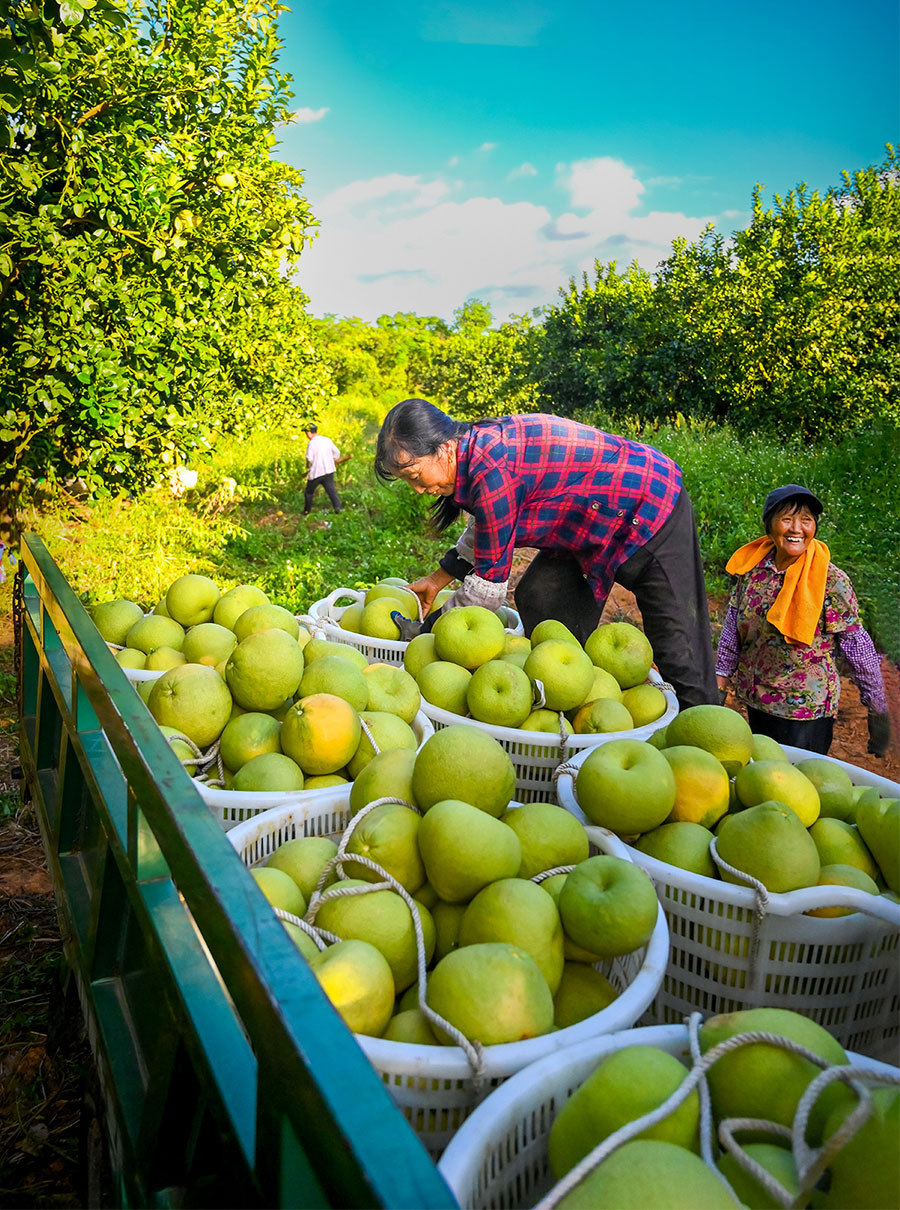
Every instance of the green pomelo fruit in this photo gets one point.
(608, 906)
(492, 993)
(465, 763)
(412, 1026)
(266, 617)
(419, 652)
(324, 781)
(685, 845)
(264, 669)
(718, 729)
(338, 676)
(155, 631)
(392, 691)
(865, 1173)
(627, 786)
(573, 953)
(351, 617)
(388, 731)
(131, 657)
(624, 1086)
(833, 785)
(304, 943)
(564, 670)
(317, 649)
(280, 890)
(549, 835)
(777, 1161)
(194, 700)
(603, 717)
(582, 992)
(645, 704)
(499, 693)
(192, 599)
(843, 876)
(388, 835)
(647, 1174)
(777, 781)
(231, 604)
(658, 738)
(114, 619)
(379, 917)
(464, 849)
(387, 775)
(762, 1079)
(357, 980)
(303, 859)
(840, 843)
(250, 734)
(469, 636)
(208, 643)
(766, 748)
(878, 820)
(770, 843)
(160, 608)
(447, 919)
(523, 914)
(268, 772)
(550, 628)
(143, 688)
(445, 685)
(164, 658)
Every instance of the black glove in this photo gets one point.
(408, 629)
(723, 694)
(879, 733)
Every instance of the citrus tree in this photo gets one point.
(146, 236)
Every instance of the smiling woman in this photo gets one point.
(792, 613)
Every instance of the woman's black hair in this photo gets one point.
(412, 430)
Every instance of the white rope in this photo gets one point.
(557, 869)
(473, 1051)
(319, 936)
(754, 967)
(695, 1077)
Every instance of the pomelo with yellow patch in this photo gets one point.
(320, 733)
(701, 785)
(492, 992)
(774, 780)
(717, 729)
(645, 704)
(357, 980)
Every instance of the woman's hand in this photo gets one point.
(428, 587)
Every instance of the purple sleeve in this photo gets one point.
(728, 650)
(864, 666)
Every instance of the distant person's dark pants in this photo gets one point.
(813, 734)
(326, 482)
(666, 577)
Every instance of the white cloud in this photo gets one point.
(525, 169)
(487, 147)
(306, 115)
(416, 243)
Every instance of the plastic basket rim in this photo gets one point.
(502, 1059)
(788, 903)
(546, 739)
(395, 646)
(215, 796)
(464, 1156)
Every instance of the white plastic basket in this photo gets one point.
(843, 972)
(536, 755)
(234, 806)
(498, 1158)
(324, 619)
(433, 1085)
(138, 675)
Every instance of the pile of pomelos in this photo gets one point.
(760, 1080)
(289, 711)
(509, 957)
(470, 666)
(788, 826)
(371, 616)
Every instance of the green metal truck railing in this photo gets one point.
(227, 1077)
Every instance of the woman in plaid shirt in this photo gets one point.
(599, 509)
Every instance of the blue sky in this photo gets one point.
(492, 149)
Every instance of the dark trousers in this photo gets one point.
(813, 734)
(326, 482)
(666, 577)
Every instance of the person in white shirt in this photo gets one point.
(322, 456)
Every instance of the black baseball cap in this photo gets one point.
(311, 428)
(790, 491)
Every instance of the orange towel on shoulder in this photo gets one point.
(796, 610)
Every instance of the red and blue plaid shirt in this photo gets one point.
(538, 480)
